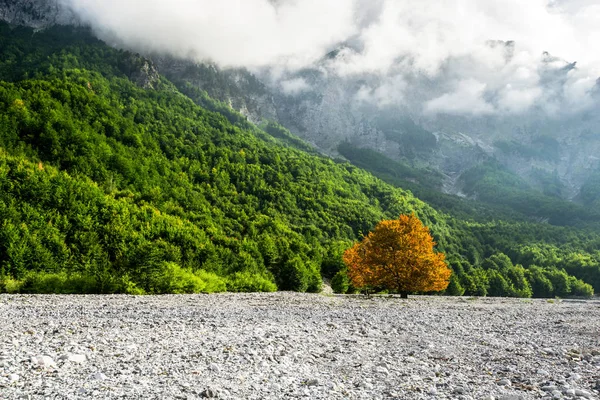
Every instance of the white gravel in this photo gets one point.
(287, 345)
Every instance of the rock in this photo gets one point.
(542, 372)
(583, 393)
(381, 370)
(312, 382)
(459, 390)
(504, 382)
(574, 377)
(75, 358)
(214, 368)
(98, 376)
(43, 361)
(488, 397)
(13, 377)
(549, 388)
(209, 393)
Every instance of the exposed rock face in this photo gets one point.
(36, 14)
(328, 111)
(143, 72)
(243, 91)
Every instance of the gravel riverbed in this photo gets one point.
(288, 345)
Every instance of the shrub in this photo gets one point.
(294, 275)
(315, 282)
(249, 282)
(580, 288)
(177, 280)
(454, 287)
(340, 282)
(9, 285)
(58, 283)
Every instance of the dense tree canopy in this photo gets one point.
(106, 186)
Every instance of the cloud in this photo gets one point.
(459, 56)
(249, 33)
(294, 86)
(467, 98)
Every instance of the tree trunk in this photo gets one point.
(404, 295)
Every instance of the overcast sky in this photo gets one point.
(460, 44)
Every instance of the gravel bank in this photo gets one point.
(286, 345)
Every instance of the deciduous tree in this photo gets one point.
(398, 255)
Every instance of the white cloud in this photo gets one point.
(423, 46)
(250, 33)
(294, 86)
(467, 98)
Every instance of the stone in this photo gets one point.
(583, 393)
(209, 393)
(504, 382)
(381, 370)
(549, 388)
(43, 361)
(13, 377)
(542, 372)
(459, 390)
(214, 367)
(98, 376)
(75, 358)
(574, 377)
(312, 382)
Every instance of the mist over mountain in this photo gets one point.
(486, 80)
(480, 58)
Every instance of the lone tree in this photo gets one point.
(398, 255)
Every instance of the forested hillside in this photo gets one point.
(113, 180)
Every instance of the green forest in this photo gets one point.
(108, 186)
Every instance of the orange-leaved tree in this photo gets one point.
(398, 255)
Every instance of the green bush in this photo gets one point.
(177, 280)
(246, 281)
(579, 288)
(540, 284)
(340, 282)
(58, 283)
(454, 287)
(294, 275)
(315, 282)
(9, 285)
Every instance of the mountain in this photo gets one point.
(115, 178)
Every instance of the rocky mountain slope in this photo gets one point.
(327, 109)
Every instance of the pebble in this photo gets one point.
(292, 345)
(43, 361)
(75, 358)
(542, 372)
(583, 393)
(98, 376)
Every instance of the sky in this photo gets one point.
(481, 57)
